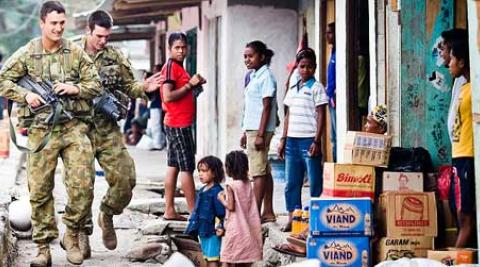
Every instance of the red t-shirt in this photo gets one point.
(179, 113)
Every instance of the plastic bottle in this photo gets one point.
(305, 218)
(297, 220)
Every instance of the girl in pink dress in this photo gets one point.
(242, 244)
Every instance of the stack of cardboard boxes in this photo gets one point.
(341, 220)
(340, 231)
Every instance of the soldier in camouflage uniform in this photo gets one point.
(117, 77)
(76, 81)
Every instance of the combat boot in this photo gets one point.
(105, 221)
(84, 244)
(70, 244)
(43, 258)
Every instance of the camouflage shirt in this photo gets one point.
(80, 73)
(116, 75)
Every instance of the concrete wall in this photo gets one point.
(392, 37)
(220, 113)
(341, 74)
(474, 44)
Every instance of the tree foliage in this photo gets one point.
(19, 20)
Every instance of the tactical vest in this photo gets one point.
(80, 108)
(109, 70)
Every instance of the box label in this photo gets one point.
(403, 181)
(344, 180)
(409, 214)
(353, 251)
(409, 247)
(340, 217)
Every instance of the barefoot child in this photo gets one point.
(207, 208)
(242, 244)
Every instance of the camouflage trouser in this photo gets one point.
(119, 170)
(70, 142)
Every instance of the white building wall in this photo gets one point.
(278, 29)
(239, 25)
(341, 74)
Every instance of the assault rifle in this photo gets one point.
(45, 90)
(109, 105)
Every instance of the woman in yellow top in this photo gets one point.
(462, 200)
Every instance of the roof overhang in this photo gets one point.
(125, 12)
(131, 32)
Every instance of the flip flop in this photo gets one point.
(289, 250)
(297, 241)
(268, 220)
(178, 217)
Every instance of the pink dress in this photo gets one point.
(242, 242)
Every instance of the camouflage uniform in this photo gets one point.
(117, 77)
(68, 140)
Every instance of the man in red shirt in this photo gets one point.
(178, 102)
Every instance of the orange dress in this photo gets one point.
(242, 242)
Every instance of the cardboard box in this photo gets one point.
(344, 180)
(339, 251)
(367, 149)
(340, 216)
(408, 214)
(394, 248)
(453, 256)
(403, 181)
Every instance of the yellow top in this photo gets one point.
(462, 145)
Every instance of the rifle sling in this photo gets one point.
(56, 115)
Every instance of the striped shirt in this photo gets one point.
(302, 101)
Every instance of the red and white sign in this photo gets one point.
(345, 180)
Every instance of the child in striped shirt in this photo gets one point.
(305, 104)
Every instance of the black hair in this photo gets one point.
(157, 67)
(453, 35)
(459, 50)
(148, 74)
(174, 36)
(49, 7)
(236, 165)
(331, 25)
(261, 48)
(215, 165)
(1, 56)
(307, 53)
(101, 18)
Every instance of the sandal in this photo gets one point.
(289, 249)
(268, 220)
(297, 242)
(177, 217)
(286, 228)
